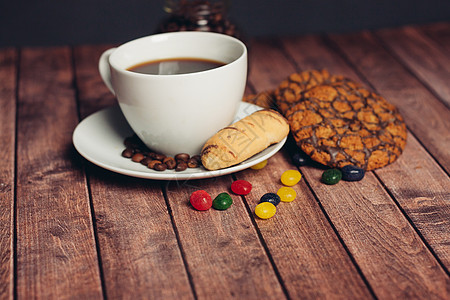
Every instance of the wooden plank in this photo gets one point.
(439, 32)
(8, 75)
(308, 270)
(422, 56)
(92, 92)
(223, 252)
(139, 249)
(413, 164)
(423, 191)
(56, 254)
(375, 231)
(311, 52)
(276, 64)
(301, 241)
(390, 254)
(424, 115)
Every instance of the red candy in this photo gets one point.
(241, 187)
(201, 200)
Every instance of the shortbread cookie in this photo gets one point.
(338, 122)
(243, 139)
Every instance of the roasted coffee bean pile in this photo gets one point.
(139, 153)
(199, 15)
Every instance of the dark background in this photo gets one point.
(58, 22)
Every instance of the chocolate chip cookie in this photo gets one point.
(264, 99)
(338, 122)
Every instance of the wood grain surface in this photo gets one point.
(72, 230)
(56, 254)
(301, 241)
(223, 252)
(425, 59)
(438, 32)
(8, 77)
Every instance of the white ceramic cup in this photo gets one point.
(177, 113)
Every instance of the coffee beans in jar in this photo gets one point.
(198, 15)
(138, 152)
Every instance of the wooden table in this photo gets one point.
(70, 229)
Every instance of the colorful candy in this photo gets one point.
(241, 187)
(265, 210)
(291, 177)
(286, 194)
(331, 176)
(300, 159)
(222, 201)
(271, 198)
(352, 173)
(200, 200)
(260, 165)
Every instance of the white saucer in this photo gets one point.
(99, 138)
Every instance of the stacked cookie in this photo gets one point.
(337, 121)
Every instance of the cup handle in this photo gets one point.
(104, 68)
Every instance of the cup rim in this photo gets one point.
(220, 35)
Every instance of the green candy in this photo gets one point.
(222, 201)
(331, 176)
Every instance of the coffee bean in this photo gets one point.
(170, 162)
(160, 167)
(197, 157)
(128, 153)
(137, 157)
(193, 163)
(159, 156)
(138, 152)
(153, 163)
(132, 141)
(152, 155)
(167, 158)
(198, 16)
(181, 166)
(146, 160)
(182, 156)
(128, 142)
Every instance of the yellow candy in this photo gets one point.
(287, 194)
(265, 210)
(291, 177)
(260, 165)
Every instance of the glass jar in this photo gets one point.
(198, 15)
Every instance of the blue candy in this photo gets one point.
(352, 173)
(271, 198)
(300, 159)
